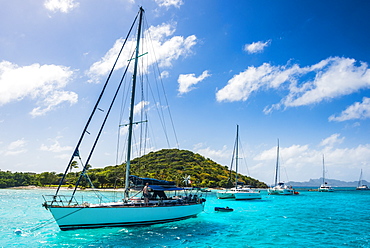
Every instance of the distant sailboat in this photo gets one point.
(324, 186)
(360, 185)
(280, 188)
(238, 193)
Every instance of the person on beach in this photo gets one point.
(146, 194)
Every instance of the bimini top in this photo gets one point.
(139, 181)
(160, 188)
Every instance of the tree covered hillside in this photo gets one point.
(167, 164)
(175, 165)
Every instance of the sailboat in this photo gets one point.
(154, 207)
(360, 185)
(280, 188)
(238, 193)
(324, 187)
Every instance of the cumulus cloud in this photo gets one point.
(327, 80)
(334, 77)
(242, 85)
(169, 3)
(187, 81)
(43, 83)
(358, 110)
(167, 49)
(302, 162)
(256, 47)
(63, 6)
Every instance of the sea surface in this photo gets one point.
(310, 219)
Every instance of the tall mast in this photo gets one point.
(236, 156)
(277, 164)
(360, 180)
(131, 117)
(323, 170)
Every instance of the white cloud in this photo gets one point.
(355, 111)
(301, 162)
(16, 147)
(167, 49)
(140, 106)
(56, 147)
(256, 47)
(56, 98)
(168, 3)
(242, 85)
(328, 79)
(165, 74)
(39, 82)
(216, 155)
(186, 81)
(63, 6)
(334, 77)
(332, 140)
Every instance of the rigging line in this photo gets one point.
(94, 109)
(232, 160)
(243, 154)
(143, 115)
(123, 107)
(160, 116)
(47, 222)
(101, 129)
(164, 92)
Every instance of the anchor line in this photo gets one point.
(52, 220)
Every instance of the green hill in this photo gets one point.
(167, 164)
(175, 165)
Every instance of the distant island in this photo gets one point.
(312, 183)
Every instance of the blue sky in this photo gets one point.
(297, 71)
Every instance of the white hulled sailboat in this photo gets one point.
(72, 214)
(360, 185)
(280, 188)
(324, 187)
(238, 193)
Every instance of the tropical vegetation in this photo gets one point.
(181, 166)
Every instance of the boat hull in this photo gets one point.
(247, 196)
(225, 195)
(280, 191)
(95, 217)
(364, 187)
(325, 188)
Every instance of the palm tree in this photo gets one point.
(74, 164)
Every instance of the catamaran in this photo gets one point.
(280, 188)
(324, 187)
(156, 207)
(238, 192)
(360, 185)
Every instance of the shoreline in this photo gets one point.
(61, 188)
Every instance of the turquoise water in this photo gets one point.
(311, 219)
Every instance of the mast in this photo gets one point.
(323, 170)
(236, 156)
(360, 180)
(131, 117)
(277, 163)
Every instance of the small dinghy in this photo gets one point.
(227, 209)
